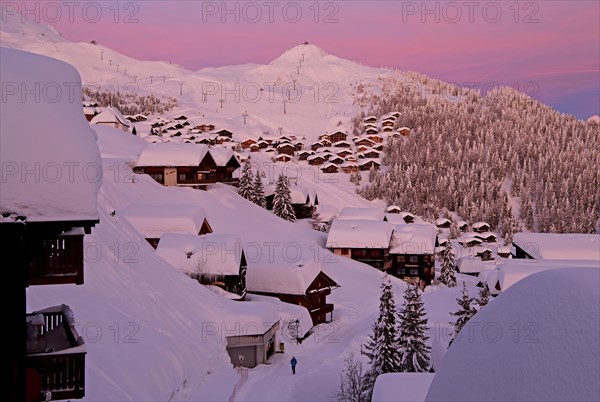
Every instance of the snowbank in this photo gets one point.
(402, 387)
(538, 341)
(50, 160)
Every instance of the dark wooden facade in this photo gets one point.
(60, 374)
(193, 176)
(314, 299)
(338, 136)
(35, 253)
(287, 149)
(413, 267)
(376, 257)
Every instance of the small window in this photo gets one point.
(182, 177)
(414, 258)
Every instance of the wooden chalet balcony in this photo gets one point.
(319, 315)
(55, 260)
(55, 358)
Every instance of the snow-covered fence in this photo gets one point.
(243, 371)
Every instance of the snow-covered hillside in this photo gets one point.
(318, 94)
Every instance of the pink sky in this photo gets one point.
(553, 44)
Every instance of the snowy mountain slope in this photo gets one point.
(151, 316)
(322, 92)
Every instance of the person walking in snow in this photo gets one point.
(293, 363)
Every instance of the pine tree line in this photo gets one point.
(470, 153)
(131, 103)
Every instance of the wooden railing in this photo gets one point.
(55, 260)
(61, 372)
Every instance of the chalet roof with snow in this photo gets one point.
(480, 225)
(362, 213)
(359, 234)
(218, 254)
(152, 221)
(395, 219)
(366, 161)
(470, 265)
(555, 246)
(513, 270)
(413, 239)
(224, 156)
(171, 154)
(303, 195)
(110, 115)
(51, 134)
(442, 221)
(282, 276)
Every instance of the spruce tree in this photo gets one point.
(258, 191)
(448, 271)
(464, 313)
(414, 350)
(484, 295)
(282, 201)
(245, 186)
(315, 221)
(382, 347)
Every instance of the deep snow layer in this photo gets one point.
(539, 341)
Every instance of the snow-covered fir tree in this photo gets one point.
(448, 271)
(355, 178)
(465, 311)
(382, 347)
(316, 222)
(454, 232)
(282, 201)
(484, 295)
(258, 190)
(245, 188)
(477, 154)
(412, 341)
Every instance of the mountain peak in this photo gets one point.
(305, 51)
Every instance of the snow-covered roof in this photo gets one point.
(362, 213)
(402, 387)
(302, 195)
(221, 156)
(110, 115)
(219, 254)
(442, 221)
(395, 219)
(553, 246)
(478, 225)
(152, 221)
(413, 239)
(552, 357)
(281, 275)
(51, 165)
(513, 270)
(470, 265)
(172, 154)
(359, 234)
(392, 208)
(367, 160)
